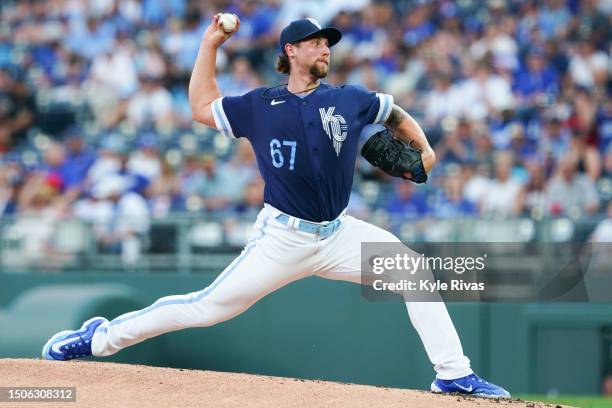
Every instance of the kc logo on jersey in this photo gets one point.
(335, 126)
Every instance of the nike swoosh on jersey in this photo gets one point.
(466, 389)
(275, 102)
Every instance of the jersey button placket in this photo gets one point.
(315, 161)
(309, 122)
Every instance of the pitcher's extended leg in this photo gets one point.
(247, 279)
(340, 259)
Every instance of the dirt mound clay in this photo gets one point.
(121, 385)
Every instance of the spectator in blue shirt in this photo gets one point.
(79, 158)
(554, 19)
(91, 40)
(407, 202)
(155, 12)
(554, 140)
(419, 25)
(389, 60)
(257, 31)
(11, 181)
(450, 202)
(190, 37)
(347, 23)
(54, 156)
(603, 122)
(251, 201)
(537, 81)
(457, 145)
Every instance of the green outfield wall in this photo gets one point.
(322, 329)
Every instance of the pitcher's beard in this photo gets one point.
(317, 71)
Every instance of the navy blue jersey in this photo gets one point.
(305, 147)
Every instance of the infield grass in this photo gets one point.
(572, 400)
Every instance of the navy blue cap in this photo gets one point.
(304, 29)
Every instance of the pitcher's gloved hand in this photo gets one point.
(394, 157)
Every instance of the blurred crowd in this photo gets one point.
(95, 121)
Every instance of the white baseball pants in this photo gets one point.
(274, 256)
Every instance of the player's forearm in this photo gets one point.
(203, 88)
(405, 128)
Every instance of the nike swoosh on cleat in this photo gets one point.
(55, 347)
(275, 102)
(466, 389)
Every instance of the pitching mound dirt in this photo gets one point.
(120, 385)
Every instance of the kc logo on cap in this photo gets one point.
(306, 28)
(315, 22)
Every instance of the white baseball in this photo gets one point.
(228, 22)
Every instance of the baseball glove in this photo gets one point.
(394, 157)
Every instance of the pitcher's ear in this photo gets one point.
(290, 49)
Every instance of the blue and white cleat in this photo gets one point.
(469, 385)
(71, 344)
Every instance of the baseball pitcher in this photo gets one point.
(305, 137)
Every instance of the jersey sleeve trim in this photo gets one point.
(386, 103)
(220, 117)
